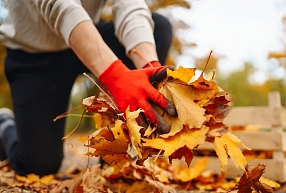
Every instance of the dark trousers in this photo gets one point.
(40, 88)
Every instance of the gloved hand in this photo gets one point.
(133, 88)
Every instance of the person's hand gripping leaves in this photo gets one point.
(133, 88)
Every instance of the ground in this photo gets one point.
(74, 160)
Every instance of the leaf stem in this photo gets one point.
(207, 63)
(101, 89)
(142, 57)
(65, 137)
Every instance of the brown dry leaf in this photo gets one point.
(218, 107)
(184, 75)
(227, 145)
(108, 113)
(185, 174)
(186, 137)
(251, 180)
(161, 186)
(93, 180)
(183, 152)
(96, 105)
(110, 141)
(71, 185)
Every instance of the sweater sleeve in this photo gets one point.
(62, 15)
(133, 23)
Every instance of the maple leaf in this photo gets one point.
(184, 75)
(218, 107)
(186, 137)
(186, 173)
(134, 129)
(250, 180)
(216, 129)
(70, 184)
(200, 115)
(189, 113)
(183, 152)
(118, 165)
(94, 104)
(227, 145)
(92, 179)
(104, 113)
(203, 84)
(35, 181)
(110, 141)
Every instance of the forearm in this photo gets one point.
(88, 45)
(142, 54)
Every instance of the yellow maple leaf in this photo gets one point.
(227, 145)
(182, 74)
(34, 180)
(48, 179)
(134, 129)
(189, 113)
(185, 173)
(186, 137)
(219, 147)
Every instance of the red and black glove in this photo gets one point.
(133, 88)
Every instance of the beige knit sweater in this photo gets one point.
(45, 25)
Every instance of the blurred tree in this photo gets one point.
(280, 56)
(244, 93)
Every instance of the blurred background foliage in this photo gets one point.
(238, 84)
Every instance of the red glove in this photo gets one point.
(132, 88)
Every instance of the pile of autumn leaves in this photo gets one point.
(201, 106)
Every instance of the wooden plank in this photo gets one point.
(255, 140)
(283, 117)
(242, 116)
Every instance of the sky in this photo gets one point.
(240, 30)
